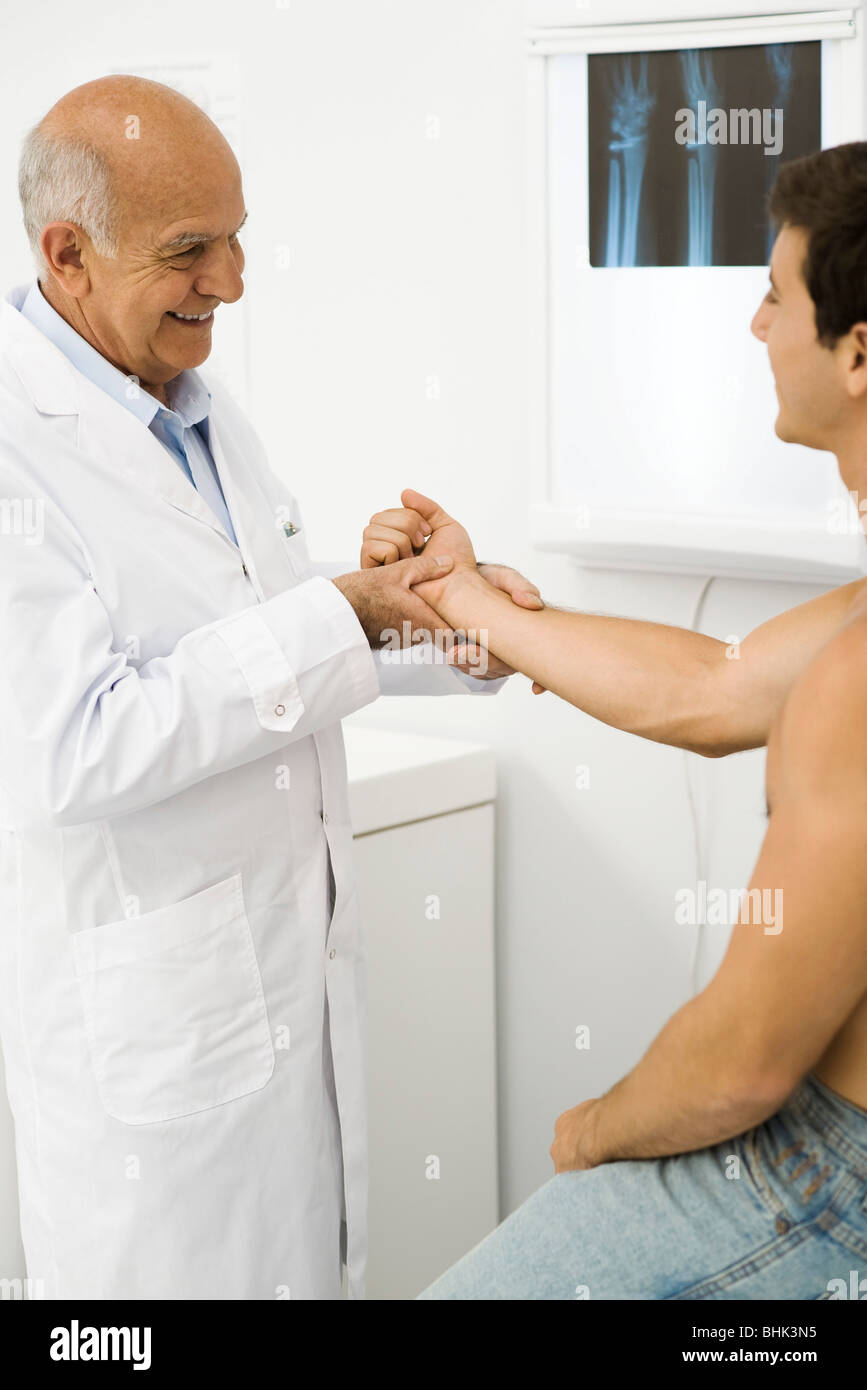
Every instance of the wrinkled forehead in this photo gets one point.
(165, 195)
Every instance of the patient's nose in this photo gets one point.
(759, 325)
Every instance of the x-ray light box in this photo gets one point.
(653, 148)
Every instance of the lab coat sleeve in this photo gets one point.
(86, 734)
(413, 671)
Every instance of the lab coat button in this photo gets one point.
(246, 571)
(331, 955)
(325, 817)
(280, 710)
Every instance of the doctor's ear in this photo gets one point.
(62, 244)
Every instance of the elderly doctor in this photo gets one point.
(181, 975)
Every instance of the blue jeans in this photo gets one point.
(779, 1212)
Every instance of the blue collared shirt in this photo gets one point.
(182, 429)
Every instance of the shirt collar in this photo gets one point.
(187, 394)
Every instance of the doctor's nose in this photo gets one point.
(221, 278)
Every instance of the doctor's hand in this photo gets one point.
(384, 600)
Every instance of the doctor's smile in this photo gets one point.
(200, 319)
(253, 1000)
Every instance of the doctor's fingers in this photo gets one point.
(383, 545)
(477, 661)
(416, 571)
(427, 625)
(521, 591)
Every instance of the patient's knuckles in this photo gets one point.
(398, 519)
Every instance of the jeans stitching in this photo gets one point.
(810, 1109)
(750, 1264)
(833, 1220)
(819, 1180)
(754, 1164)
(809, 1161)
(816, 1110)
(844, 1234)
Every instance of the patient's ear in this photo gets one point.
(855, 358)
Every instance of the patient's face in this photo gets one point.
(134, 298)
(813, 404)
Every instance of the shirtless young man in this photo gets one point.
(768, 1064)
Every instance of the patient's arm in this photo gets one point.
(665, 683)
(791, 979)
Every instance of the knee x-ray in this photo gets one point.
(684, 148)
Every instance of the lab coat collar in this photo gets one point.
(84, 357)
(46, 374)
(187, 394)
(105, 427)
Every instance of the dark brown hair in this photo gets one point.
(825, 194)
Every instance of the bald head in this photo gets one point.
(145, 139)
(98, 111)
(132, 202)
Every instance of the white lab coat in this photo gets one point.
(182, 1015)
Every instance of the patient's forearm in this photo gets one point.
(688, 1091)
(664, 683)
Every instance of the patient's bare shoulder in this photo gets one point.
(818, 745)
(859, 600)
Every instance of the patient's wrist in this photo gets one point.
(459, 596)
(592, 1145)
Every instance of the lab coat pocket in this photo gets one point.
(174, 1007)
(293, 540)
(295, 550)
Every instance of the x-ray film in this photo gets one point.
(685, 146)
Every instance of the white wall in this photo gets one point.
(408, 262)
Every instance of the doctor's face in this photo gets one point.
(808, 376)
(151, 309)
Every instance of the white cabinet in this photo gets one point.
(424, 822)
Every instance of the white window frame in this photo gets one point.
(669, 542)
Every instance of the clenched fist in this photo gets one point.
(422, 525)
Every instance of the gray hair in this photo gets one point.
(61, 179)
